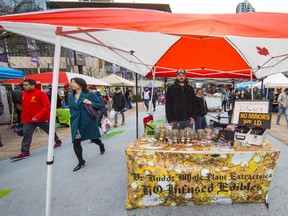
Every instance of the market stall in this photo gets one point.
(185, 174)
(247, 49)
(171, 167)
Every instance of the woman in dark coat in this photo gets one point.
(83, 126)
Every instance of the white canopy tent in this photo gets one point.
(137, 39)
(115, 80)
(276, 80)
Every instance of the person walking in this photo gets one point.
(35, 113)
(154, 99)
(283, 106)
(118, 104)
(17, 101)
(270, 98)
(202, 110)
(103, 110)
(129, 98)
(181, 107)
(146, 96)
(83, 126)
(224, 100)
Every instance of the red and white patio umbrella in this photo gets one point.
(146, 41)
(205, 45)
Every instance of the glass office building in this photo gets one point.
(244, 7)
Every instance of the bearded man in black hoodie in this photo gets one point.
(181, 108)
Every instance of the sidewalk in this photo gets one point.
(12, 142)
(100, 188)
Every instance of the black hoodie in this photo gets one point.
(180, 102)
(118, 101)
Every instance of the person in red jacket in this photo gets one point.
(35, 113)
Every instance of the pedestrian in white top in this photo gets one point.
(147, 96)
(283, 106)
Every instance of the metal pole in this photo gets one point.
(137, 123)
(50, 155)
(252, 92)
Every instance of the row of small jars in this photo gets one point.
(185, 135)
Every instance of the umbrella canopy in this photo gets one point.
(115, 80)
(205, 45)
(64, 77)
(8, 73)
(12, 81)
(276, 80)
(243, 86)
(150, 85)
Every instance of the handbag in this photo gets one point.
(106, 125)
(93, 112)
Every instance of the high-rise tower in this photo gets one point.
(244, 7)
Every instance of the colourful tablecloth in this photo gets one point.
(175, 175)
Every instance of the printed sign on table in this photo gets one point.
(250, 107)
(167, 177)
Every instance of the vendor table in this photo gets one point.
(186, 174)
(63, 116)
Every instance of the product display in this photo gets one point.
(208, 137)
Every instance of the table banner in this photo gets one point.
(162, 177)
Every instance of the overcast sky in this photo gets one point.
(217, 6)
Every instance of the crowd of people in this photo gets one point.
(184, 107)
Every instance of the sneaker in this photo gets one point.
(277, 123)
(115, 124)
(57, 144)
(22, 155)
(123, 123)
(1, 144)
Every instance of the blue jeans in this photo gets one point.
(280, 111)
(182, 124)
(200, 123)
(116, 116)
(146, 102)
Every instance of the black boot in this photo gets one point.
(100, 144)
(102, 149)
(79, 166)
(78, 151)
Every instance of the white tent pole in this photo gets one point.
(50, 155)
(152, 92)
(252, 92)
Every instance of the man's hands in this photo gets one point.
(171, 123)
(192, 121)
